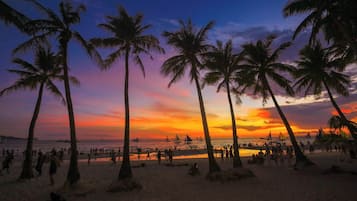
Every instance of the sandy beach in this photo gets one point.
(161, 182)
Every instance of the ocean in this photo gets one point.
(84, 146)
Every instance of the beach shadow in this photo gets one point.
(81, 189)
(124, 185)
(176, 164)
(334, 169)
(234, 174)
(141, 165)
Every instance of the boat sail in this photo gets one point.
(177, 140)
(188, 139)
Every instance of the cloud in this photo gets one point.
(316, 115)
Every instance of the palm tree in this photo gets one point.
(11, 16)
(318, 70)
(222, 65)
(336, 18)
(60, 26)
(129, 40)
(336, 122)
(39, 75)
(261, 66)
(191, 45)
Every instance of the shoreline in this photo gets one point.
(172, 183)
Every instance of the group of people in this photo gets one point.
(54, 158)
(8, 157)
(278, 154)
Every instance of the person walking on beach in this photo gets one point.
(119, 154)
(39, 163)
(6, 163)
(113, 157)
(231, 152)
(170, 156)
(159, 156)
(89, 158)
(148, 155)
(54, 163)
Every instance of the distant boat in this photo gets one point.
(269, 138)
(167, 139)
(282, 137)
(136, 140)
(308, 136)
(188, 139)
(177, 140)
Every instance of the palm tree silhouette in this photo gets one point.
(127, 36)
(318, 69)
(260, 66)
(222, 65)
(60, 26)
(336, 122)
(10, 15)
(39, 75)
(191, 45)
(336, 18)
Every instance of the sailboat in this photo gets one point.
(177, 140)
(308, 135)
(188, 139)
(282, 138)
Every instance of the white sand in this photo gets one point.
(174, 184)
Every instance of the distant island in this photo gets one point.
(4, 138)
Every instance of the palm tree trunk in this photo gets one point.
(236, 158)
(73, 175)
(125, 170)
(340, 113)
(27, 172)
(213, 166)
(301, 159)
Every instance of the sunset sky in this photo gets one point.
(156, 110)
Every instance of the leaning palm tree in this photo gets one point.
(318, 70)
(222, 65)
(261, 66)
(128, 39)
(10, 15)
(39, 75)
(191, 45)
(60, 26)
(335, 18)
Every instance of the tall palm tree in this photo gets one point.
(318, 70)
(336, 18)
(39, 75)
(129, 40)
(10, 15)
(60, 26)
(190, 44)
(260, 66)
(222, 65)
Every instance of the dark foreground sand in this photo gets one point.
(162, 183)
